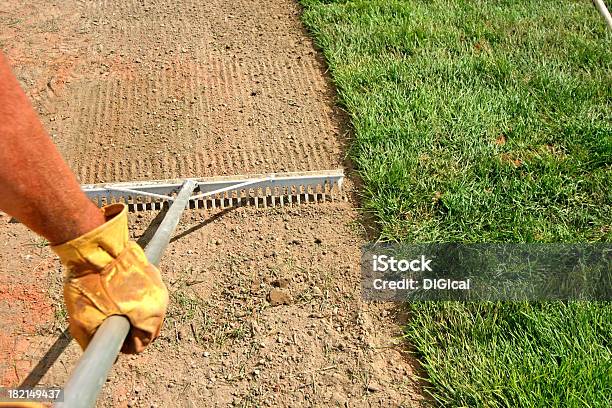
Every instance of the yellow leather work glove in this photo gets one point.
(107, 274)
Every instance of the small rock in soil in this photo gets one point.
(373, 387)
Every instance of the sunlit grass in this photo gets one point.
(485, 121)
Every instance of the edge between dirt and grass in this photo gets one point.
(485, 122)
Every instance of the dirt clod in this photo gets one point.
(278, 297)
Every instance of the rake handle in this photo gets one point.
(603, 10)
(90, 372)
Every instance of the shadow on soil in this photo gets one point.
(50, 357)
(202, 224)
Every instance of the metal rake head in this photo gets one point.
(265, 190)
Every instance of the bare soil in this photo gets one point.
(266, 307)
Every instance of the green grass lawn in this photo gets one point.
(485, 121)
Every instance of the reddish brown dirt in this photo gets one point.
(158, 89)
(24, 302)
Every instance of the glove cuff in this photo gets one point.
(100, 246)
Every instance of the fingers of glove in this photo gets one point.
(136, 341)
(84, 316)
(128, 286)
(139, 293)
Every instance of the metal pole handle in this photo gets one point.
(603, 10)
(90, 372)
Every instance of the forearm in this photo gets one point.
(36, 186)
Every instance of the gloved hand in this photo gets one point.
(107, 274)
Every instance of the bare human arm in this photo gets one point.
(36, 186)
